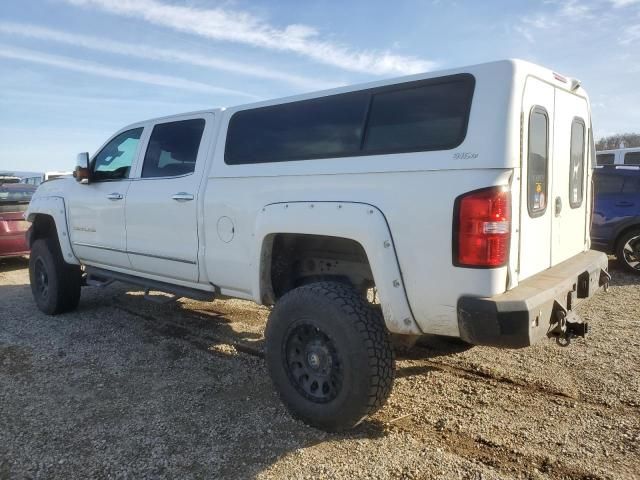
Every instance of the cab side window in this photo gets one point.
(538, 162)
(173, 149)
(576, 173)
(115, 159)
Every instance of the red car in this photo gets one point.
(14, 200)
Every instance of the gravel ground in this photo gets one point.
(125, 388)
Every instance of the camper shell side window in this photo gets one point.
(419, 116)
(538, 162)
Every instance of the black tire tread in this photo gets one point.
(67, 276)
(369, 323)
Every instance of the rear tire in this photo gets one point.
(55, 284)
(628, 251)
(329, 355)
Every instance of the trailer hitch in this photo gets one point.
(566, 326)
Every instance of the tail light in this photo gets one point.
(482, 228)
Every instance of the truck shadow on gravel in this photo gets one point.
(428, 347)
(620, 276)
(14, 263)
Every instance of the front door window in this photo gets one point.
(115, 159)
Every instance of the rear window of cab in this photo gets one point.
(416, 116)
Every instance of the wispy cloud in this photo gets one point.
(623, 3)
(630, 35)
(562, 12)
(574, 9)
(163, 54)
(245, 28)
(13, 96)
(10, 52)
(529, 25)
(566, 18)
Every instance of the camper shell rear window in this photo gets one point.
(416, 116)
(538, 161)
(576, 170)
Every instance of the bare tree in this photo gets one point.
(624, 140)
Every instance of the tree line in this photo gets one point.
(620, 140)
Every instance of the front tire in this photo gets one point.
(55, 284)
(329, 355)
(628, 251)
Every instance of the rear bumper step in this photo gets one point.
(528, 313)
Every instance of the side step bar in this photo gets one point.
(101, 277)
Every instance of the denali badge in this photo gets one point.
(464, 155)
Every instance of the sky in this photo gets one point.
(72, 72)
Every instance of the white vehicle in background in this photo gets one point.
(38, 179)
(618, 156)
(55, 175)
(461, 197)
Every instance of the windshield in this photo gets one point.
(13, 194)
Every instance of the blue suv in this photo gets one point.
(616, 214)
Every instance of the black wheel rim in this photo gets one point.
(631, 252)
(312, 363)
(41, 278)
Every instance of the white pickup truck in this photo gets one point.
(460, 200)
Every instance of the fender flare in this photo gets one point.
(54, 207)
(359, 222)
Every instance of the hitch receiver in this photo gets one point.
(567, 326)
(578, 329)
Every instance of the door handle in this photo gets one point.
(182, 197)
(114, 196)
(624, 204)
(558, 206)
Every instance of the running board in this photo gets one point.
(101, 277)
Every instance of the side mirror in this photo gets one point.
(81, 173)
